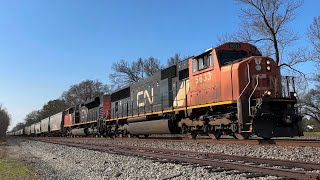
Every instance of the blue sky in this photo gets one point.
(46, 46)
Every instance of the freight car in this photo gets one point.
(231, 89)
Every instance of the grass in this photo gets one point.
(14, 170)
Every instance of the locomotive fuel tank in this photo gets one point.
(143, 126)
(82, 131)
(78, 132)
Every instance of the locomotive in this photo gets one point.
(228, 90)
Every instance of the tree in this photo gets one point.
(266, 24)
(53, 107)
(311, 101)
(33, 117)
(311, 104)
(314, 36)
(173, 60)
(127, 73)
(4, 121)
(151, 66)
(19, 126)
(83, 91)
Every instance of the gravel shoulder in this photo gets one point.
(51, 161)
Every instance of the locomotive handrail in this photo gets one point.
(249, 80)
(252, 93)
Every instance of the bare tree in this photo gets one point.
(311, 104)
(83, 91)
(151, 65)
(265, 23)
(311, 101)
(173, 60)
(4, 121)
(127, 73)
(314, 36)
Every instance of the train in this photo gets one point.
(227, 90)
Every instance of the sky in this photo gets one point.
(47, 46)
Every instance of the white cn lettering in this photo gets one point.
(146, 95)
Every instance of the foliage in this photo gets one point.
(4, 121)
(83, 91)
(126, 73)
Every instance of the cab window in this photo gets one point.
(194, 65)
(210, 60)
(200, 61)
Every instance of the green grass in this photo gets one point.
(14, 170)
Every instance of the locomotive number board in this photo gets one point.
(234, 45)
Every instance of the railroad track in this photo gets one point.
(277, 142)
(243, 164)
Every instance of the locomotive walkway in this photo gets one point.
(243, 164)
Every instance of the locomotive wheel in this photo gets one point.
(146, 136)
(241, 136)
(215, 135)
(129, 135)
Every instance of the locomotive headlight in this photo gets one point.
(295, 94)
(267, 93)
(268, 68)
(268, 62)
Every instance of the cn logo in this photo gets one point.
(146, 96)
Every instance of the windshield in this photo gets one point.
(227, 57)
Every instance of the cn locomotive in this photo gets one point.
(228, 90)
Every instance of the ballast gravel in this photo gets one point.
(53, 161)
(308, 154)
